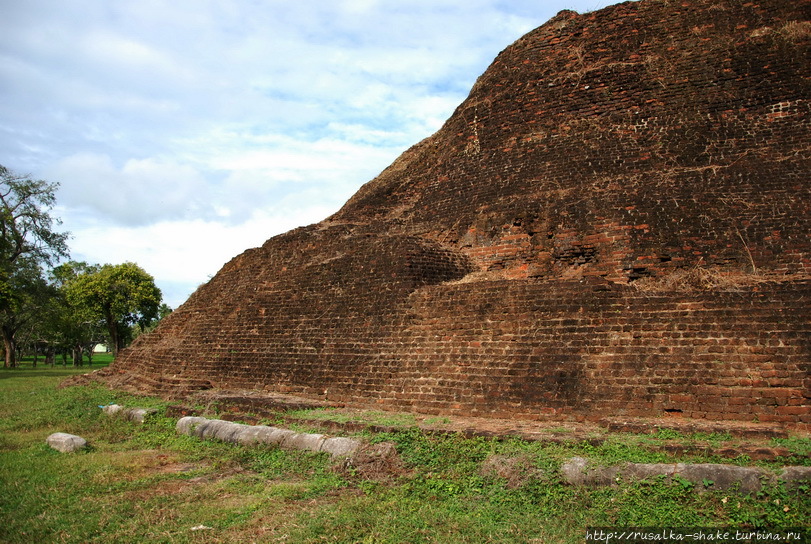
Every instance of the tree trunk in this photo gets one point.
(77, 355)
(11, 348)
(112, 328)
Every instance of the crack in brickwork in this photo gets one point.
(490, 270)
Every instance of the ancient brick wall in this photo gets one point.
(616, 222)
(663, 130)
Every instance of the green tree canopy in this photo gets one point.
(29, 295)
(72, 327)
(122, 295)
(28, 242)
(26, 225)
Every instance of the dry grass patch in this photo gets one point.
(514, 470)
(232, 506)
(709, 279)
(140, 464)
(375, 462)
(795, 31)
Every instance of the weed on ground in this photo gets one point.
(146, 483)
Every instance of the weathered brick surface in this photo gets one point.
(495, 268)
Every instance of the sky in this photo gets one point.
(184, 132)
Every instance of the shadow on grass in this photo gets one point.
(8, 373)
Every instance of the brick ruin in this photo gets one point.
(615, 222)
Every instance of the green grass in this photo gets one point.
(369, 417)
(136, 483)
(145, 483)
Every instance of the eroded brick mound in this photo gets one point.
(615, 222)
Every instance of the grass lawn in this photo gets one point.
(144, 483)
(99, 360)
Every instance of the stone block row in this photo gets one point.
(239, 433)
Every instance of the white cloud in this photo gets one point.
(111, 51)
(183, 254)
(139, 192)
(184, 132)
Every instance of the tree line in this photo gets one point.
(50, 305)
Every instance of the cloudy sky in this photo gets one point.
(183, 132)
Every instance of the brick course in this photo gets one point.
(522, 261)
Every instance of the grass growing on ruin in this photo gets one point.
(144, 483)
(369, 417)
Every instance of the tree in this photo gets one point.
(29, 295)
(68, 325)
(121, 295)
(28, 242)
